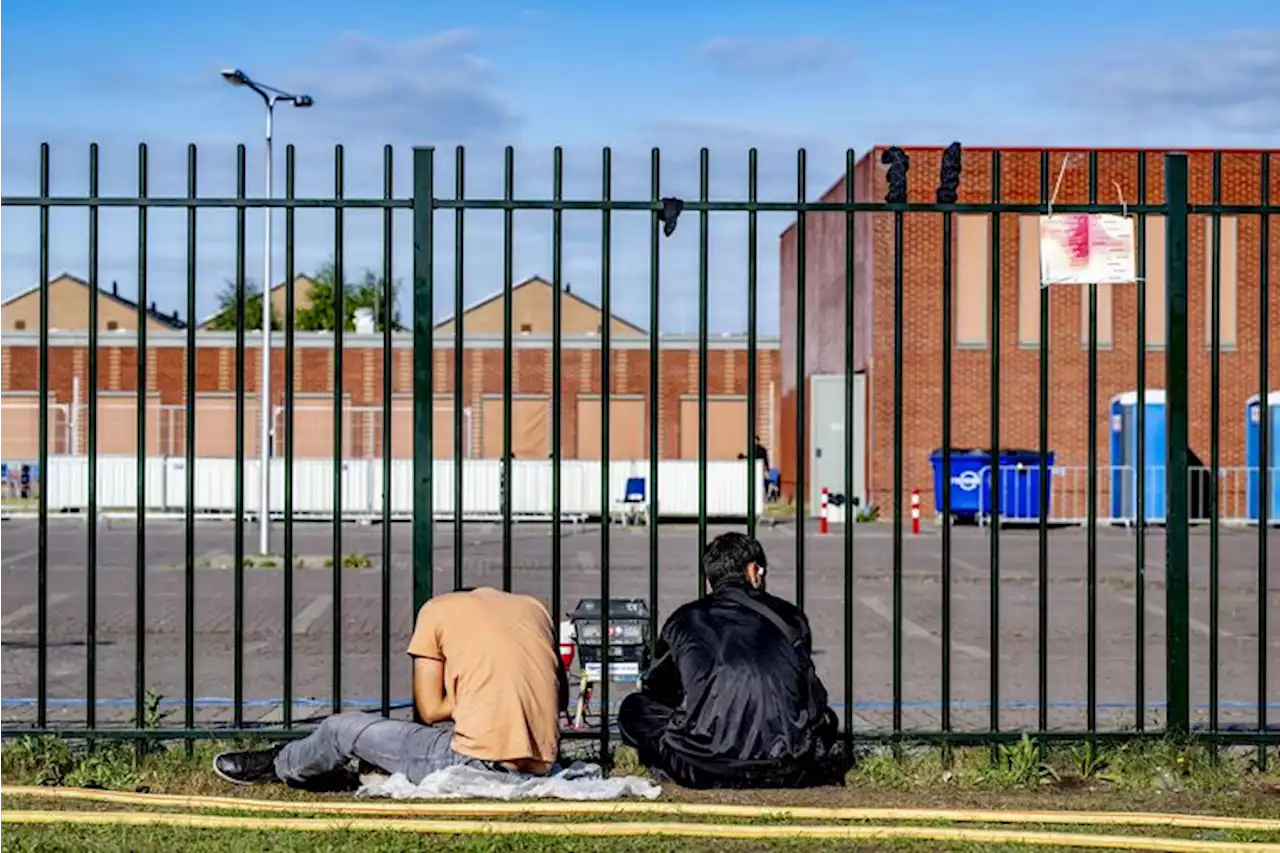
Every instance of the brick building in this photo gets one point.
(362, 385)
(1018, 311)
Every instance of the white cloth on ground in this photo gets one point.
(578, 781)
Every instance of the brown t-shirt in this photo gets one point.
(500, 666)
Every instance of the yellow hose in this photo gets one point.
(578, 809)
(686, 830)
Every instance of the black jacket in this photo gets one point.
(745, 692)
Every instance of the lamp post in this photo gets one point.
(270, 96)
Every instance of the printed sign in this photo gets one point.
(617, 671)
(1084, 248)
(966, 481)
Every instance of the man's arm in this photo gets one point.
(806, 635)
(818, 690)
(430, 699)
(662, 681)
(433, 703)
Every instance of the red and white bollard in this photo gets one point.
(822, 513)
(915, 512)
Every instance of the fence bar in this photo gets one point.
(1176, 539)
(655, 169)
(945, 646)
(606, 271)
(1264, 441)
(140, 522)
(423, 374)
(387, 315)
(91, 572)
(459, 357)
(802, 437)
(237, 712)
(1042, 585)
(1215, 429)
(290, 321)
(508, 223)
(997, 482)
(897, 467)
(339, 327)
(850, 511)
(1140, 534)
(42, 529)
(1091, 523)
(189, 487)
(704, 219)
(752, 343)
(557, 359)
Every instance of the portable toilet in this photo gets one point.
(1254, 456)
(1126, 479)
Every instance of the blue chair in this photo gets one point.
(634, 505)
(772, 485)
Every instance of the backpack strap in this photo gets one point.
(788, 631)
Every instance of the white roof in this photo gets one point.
(1130, 398)
(1273, 399)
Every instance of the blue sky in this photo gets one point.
(822, 75)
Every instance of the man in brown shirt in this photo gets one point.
(488, 687)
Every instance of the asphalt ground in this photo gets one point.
(1014, 643)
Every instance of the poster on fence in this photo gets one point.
(1084, 248)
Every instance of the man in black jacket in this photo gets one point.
(732, 699)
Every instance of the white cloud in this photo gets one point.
(1223, 83)
(798, 54)
(438, 87)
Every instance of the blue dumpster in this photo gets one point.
(969, 472)
(1125, 477)
(969, 489)
(1254, 457)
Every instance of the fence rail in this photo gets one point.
(426, 489)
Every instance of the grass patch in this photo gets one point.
(28, 839)
(1163, 775)
(274, 562)
(1168, 766)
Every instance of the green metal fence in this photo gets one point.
(429, 205)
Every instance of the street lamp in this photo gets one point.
(270, 96)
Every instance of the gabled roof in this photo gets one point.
(297, 278)
(170, 320)
(494, 297)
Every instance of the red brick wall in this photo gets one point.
(1068, 397)
(825, 288)
(483, 375)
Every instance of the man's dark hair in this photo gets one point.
(728, 555)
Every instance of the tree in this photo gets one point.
(225, 319)
(319, 316)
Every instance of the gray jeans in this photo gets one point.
(391, 745)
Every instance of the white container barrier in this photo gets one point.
(482, 492)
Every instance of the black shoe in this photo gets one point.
(248, 768)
